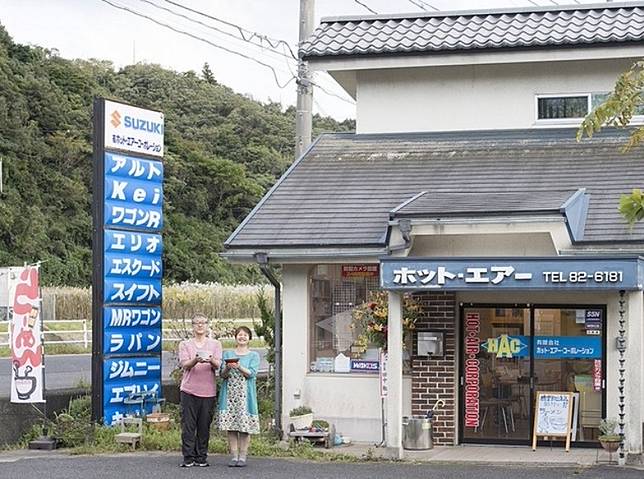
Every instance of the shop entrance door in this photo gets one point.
(510, 353)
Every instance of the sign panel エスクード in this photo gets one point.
(128, 256)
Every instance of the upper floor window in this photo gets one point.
(572, 108)
(563, 107)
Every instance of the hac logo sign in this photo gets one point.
(505, 346)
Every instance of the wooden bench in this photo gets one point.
(132, 438)
(326, 436)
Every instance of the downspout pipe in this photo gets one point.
(262, 262)
(405, 231)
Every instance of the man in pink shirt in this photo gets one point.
(200, 358)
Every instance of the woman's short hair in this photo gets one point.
(244, 328)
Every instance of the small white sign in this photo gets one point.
(129, 128)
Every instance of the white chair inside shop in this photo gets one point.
(590, 404)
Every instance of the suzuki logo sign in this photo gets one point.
(132, 129)
(116, 119)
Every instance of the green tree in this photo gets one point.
(625, 101)
(223, 152)
(207, 74)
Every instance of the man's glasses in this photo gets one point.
(200, 323)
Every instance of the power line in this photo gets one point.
(201, 39)
(324, 90)
(365, 6)
(421, 4)
(155, 5)
(273, 42)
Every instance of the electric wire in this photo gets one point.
(155, 5)
(366, 6)
(204, 40)
(422, 4)
(273, 42)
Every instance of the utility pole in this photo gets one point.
(304, 113)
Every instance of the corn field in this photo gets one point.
(180, 301)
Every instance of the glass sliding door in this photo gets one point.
(511, 353)
(496, 379)
(568, 356)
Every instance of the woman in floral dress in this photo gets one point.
(238, 396)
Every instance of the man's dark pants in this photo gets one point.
(196, 416)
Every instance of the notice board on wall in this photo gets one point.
(553, 416)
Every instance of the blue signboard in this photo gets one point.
(131, 317)
(131, 330)
(127, 291)
(365, 366)
(123, 265)
(562, 273)
(116, 241)
(124, 341)
(130, 167)
(567, 347)
(123, 377)
(133, 216)
(545, 347)
(127, 257)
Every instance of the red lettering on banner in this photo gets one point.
(28, 289)
(33, 357)
(472, 370)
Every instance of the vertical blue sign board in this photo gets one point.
(132, 274)
(124, 377)
(127, 259)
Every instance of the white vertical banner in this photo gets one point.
(26, 344)
(383, 374)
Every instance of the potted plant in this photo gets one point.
(370, 320)
(301, 417)
(609, 439)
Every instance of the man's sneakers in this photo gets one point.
(187, 464)
(202, 464)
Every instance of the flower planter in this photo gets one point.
(302, 422)
(610, 446)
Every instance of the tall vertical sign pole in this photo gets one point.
(127, 260)
(98, 189)
(304, 113)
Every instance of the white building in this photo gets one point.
(464, 184)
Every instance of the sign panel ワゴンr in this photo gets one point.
(133, 129)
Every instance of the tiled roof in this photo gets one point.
(477, 30)
(465, 203)
(342, 191)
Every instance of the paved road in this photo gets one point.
(68, 370)
(164, 466)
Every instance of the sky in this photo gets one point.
(95, 29)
